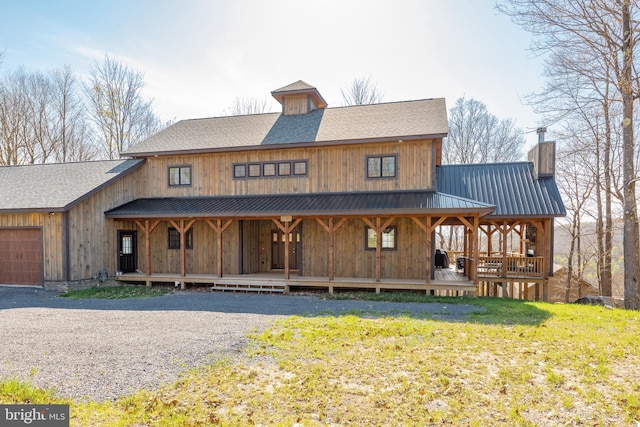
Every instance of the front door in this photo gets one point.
(277, 249)
(127, 243)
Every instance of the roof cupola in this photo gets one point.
(299, 98)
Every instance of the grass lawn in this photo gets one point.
(511, 363)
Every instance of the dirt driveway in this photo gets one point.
(102, 349)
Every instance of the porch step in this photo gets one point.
(244, 286)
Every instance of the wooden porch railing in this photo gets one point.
(517, 266)
(491, 266)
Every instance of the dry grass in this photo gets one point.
(512, 364)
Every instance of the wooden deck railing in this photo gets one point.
(491, 266)
(517, 266)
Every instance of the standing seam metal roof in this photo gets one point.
(398, 202)
(511, 187)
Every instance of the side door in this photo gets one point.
(127, 257)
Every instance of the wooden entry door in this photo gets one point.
(277, 249)
(127, 244)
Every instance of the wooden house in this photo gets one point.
(345, 197)
(52, 222)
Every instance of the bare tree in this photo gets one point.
(122, 117)
(70, 135)
(602, 34)
(24, 118)
(362, 91)
(477, 136)
(576, 184)
(244, 106)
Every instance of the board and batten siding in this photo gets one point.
(353, 260)
(93, 239)
(202, 259)
(330, 169)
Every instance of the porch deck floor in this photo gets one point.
(445, 280)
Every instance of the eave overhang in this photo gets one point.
(397, 203)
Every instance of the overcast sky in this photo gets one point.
(198, 55)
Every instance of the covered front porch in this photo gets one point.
(320, 241)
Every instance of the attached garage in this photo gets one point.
(21, 256)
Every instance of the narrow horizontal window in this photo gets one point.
(282, 169)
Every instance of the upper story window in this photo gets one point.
(289, 168)
(381, 166)
(179, 175)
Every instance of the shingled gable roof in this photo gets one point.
(299, 87)
(56, 187)
(511, 187)
(406, 120)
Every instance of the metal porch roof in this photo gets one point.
(326, 204)
(511, 187)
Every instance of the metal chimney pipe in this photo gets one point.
(541, 131)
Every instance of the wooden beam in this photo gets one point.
(182, 229)
(331, 229)
(378, 228)
(147, 228)
(474, 243)
(286, 228)
(219, 228)
(504, 230)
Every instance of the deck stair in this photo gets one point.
(260, 286)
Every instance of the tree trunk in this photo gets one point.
(631, 237)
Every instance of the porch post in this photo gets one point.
(331, 229)
(286, 229)
(504, 232)
(147, 229)
(378, 228)
(182, 229)
(476, 255)
(219, 228)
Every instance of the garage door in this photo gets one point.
(21, 256)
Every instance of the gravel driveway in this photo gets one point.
(102, 349)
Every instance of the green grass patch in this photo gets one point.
(117, 292)
(526, 364)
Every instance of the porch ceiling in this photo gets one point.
(393, 203)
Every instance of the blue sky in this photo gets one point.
(198, 55)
